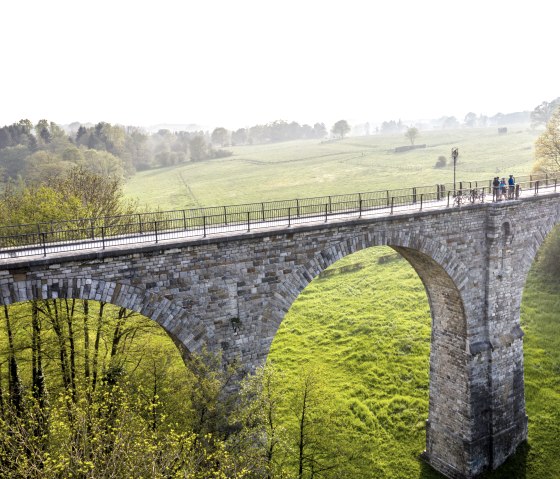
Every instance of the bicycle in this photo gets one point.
(477, 195)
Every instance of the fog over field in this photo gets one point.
(235, 64)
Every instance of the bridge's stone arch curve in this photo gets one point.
(440, 271)
(443, 276)
(167, 313)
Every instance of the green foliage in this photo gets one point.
(117, 399)
(441, 162)
(547, 146)
(368, 322)
(411, 134)
(340, 128)
(369, 326)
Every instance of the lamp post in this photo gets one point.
(454, 155)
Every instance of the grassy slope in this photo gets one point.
(370, 323)
(310, 168)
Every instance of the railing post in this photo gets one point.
(421, 200)
(92, 226)
(103, 236)
(204, 226)
(448, 198)
(536, 187)
(289, 216)
(248, 221)
(388, 198)
(262, 208)
(392, 203)
(44, 241)
(326, 212)
(360, 205)
(330, 204)
(555, 180)
(297, 205)
(546, 179)
(225, 216)
(438, 192)
(184, 220)
(414, 194)
(155, 230)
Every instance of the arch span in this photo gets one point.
(449, 382)
(169, 314)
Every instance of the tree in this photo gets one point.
(470, 119)
(340, 128)
(220, 136)
(411, 134)
(441, 162)
(319, 130)
(543, 112)
(239, 137)
(198, 148)
(547, 147)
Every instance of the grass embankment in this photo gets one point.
(311, 168)
(368, 323)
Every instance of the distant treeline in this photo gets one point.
(31, 151)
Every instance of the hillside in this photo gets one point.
(312, 168)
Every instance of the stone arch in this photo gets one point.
(419, 251)
(170, 315)
(444, 278)
(534, 239)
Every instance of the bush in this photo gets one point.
(441, 162)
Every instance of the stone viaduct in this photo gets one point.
(231, 293)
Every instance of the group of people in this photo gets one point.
(502, 189)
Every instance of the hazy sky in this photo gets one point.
(235, 63)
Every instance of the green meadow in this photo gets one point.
(313, 168)
(366, 319)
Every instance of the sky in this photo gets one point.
(236, 63)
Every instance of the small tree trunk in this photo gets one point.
(96, 345)
(72, 352)
(15, 387)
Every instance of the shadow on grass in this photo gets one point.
(514, 468)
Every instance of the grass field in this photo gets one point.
(311, 168)
(367, 322)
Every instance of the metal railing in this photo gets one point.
(99, 233)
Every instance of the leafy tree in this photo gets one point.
(340, 128)
(441, 162)
(470, 119)
(198, 148)
(543, 112)
(220, 136)
(100, 195)
(392, 126)
(411, 134)
(319, 130)
(449, 122)
(240, 136)
(547, 147)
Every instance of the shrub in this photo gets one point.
(441, 162)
